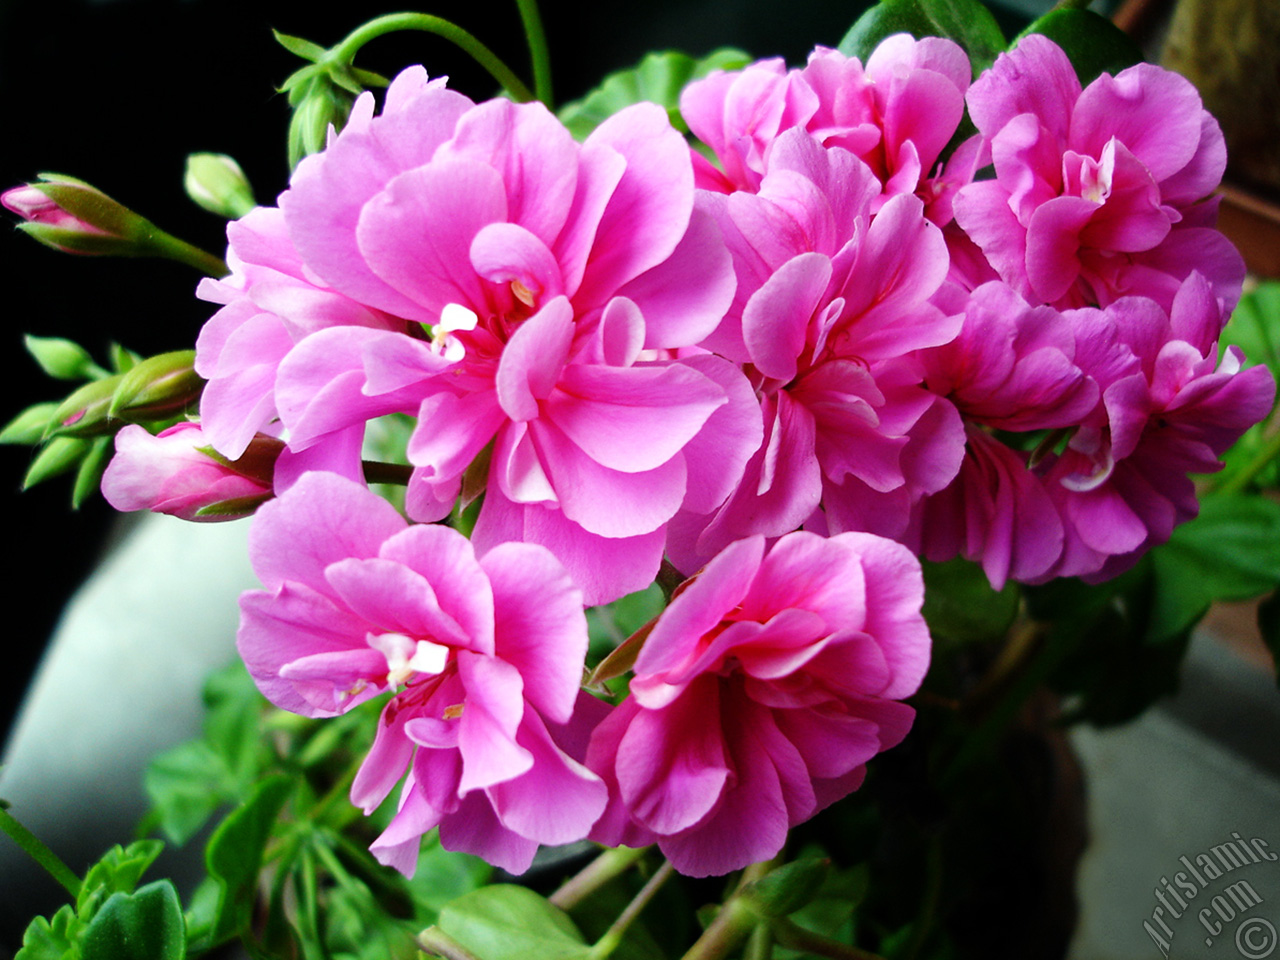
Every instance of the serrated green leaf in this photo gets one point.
(118, 870)
(658, 78)
(55, 939)
(506, 922)
(62, 359)
(146, 925)
(967, 22)
(1092, 42)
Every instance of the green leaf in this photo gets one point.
(442, 876)
(961, 607)
(1255, 326)
(54, 939)
(146, 925)
(186, 784)
(783, 891)
(63, 359)
(506, 922)
(967, 22)
(234, 854)
(1092, 42)
(659, 78)
(1230, 552)
(118, 871)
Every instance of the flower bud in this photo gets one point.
(157, 388)
(216, 182)
(87, 411)
(175, 472)
(72, 216)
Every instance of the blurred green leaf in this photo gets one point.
(1092, 42)
(961, 607)
(967, 22)
(658, 78)
(234, 854)
(506, 922)
(146, 925)
(1230, 552)
(118, 871)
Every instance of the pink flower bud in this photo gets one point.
(175, 472)
(33, 205)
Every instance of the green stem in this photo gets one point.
(612, 938)
(38, 852)
(538, 52)
(171, 248)
(929, 905)
(610, 864)
(345, 51)
(796, 937)
(759, 944)
(1238, 481)
(733, 923)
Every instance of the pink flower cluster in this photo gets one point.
(794, 371)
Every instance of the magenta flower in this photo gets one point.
(270, 303)
(175, 472)
(1122, 483)
(540, 289)
(482, 656)
(760, 695)
(896, 115)
(832, 300)
(1099, 193)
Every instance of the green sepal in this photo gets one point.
(967, 22)
(57, 938)
(300, 47)
(88, 203)
(60, 455)
(89, 475)
(1093, 43)
(28, 427)
(62, 359)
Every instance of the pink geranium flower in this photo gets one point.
(760, 695)
(539, 289)
(482, 657)
(832, 300)
(1099, 193)
(896, 115)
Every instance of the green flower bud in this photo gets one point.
(157, 388)
(216, 182)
